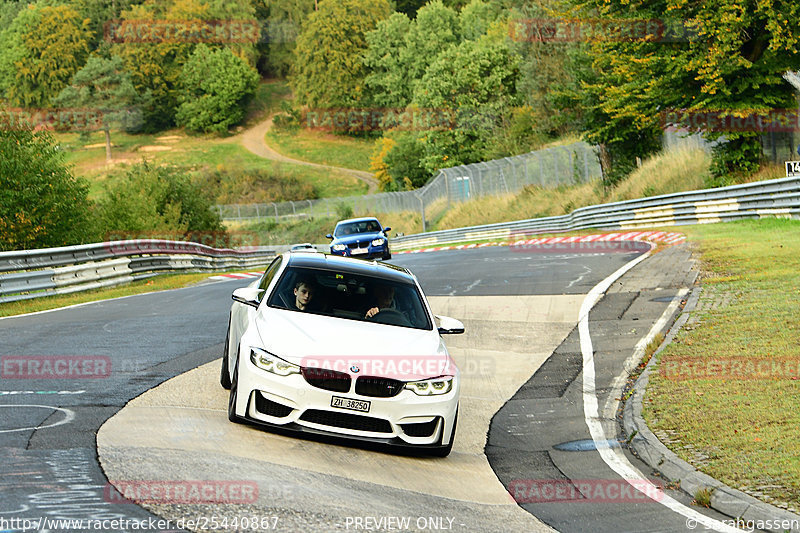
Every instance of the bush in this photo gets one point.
(216, 86)
(41, 203)
(157, 200)
(404, 160)
(252, 186)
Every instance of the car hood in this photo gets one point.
(321, 341)
(347, 239)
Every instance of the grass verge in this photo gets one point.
(157, 283)
(735, 425)
(664, 173)
(323, 148)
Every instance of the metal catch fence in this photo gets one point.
(549, 167)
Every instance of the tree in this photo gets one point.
(41, 203)
(104, 85)
(476, 82)
(157, 199)
(727, 57)
(215, 88)
(284, 20)
(476, 17)
(328, 70)
(435, 29)
(388, 82)
(156, 63)
(40, 51)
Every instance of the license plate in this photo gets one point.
(347, 403)
(358, 251)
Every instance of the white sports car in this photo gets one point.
(343, 347)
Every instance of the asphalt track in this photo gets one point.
(519, 306)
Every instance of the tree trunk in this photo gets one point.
(605, 165)
(108, 144)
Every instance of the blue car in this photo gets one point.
(363, 238)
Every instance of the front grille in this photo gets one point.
(323, 378)
(358, 244)
(424, 429)
(347, 421)
(378, 387)
(270, 408)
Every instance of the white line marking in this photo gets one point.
(69, 416)
(614, 457)
(610, 408)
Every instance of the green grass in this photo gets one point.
(266, 100)
(664, 173)
(194, 153)
(323, 148)
(746, 428)
(158, 283)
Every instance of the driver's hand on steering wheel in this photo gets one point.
(372, 312)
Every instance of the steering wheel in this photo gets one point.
(390, 316)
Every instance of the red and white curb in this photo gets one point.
(240, 275)
(653, 236)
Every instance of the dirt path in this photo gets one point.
(253, 140)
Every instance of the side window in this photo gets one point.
(269, 275)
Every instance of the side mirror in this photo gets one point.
(449, 326)
(247, 296)
(329, 236)
(386, 230)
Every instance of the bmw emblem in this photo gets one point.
(354, 369)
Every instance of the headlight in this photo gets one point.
(378, 242)
(272, 363)
(431, 387)
(338, 247)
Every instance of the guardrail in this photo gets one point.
(31, 274)
(772, 198)
(36, 273)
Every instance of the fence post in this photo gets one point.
(585, 164)
(276, 211)
(422, 212)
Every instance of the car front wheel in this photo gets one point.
(224, 373)
(232, 416)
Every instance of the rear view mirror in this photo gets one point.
(329, 236)
(248, 296)
(449, 326)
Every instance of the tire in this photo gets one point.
(224, 373)
(444, 451)
(387, 256)
(232, 416)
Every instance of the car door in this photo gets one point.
(243, 315)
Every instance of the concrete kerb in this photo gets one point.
(645, 444)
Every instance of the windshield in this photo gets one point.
(351, 296)
(363, 226)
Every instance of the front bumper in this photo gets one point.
(294, 404)
(372, 252)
